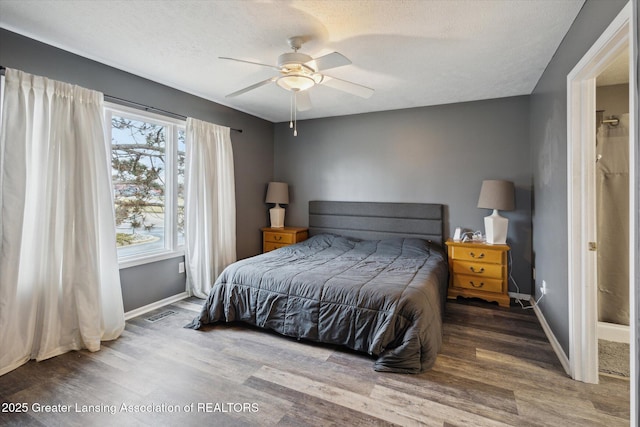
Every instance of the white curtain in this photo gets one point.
(59, 279)
(612, 230)
(210, 205)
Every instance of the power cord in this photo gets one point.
(534, 303)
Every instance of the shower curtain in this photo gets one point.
(612, 198)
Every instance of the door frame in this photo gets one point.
(581, 196)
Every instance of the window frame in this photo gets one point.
(172, 248)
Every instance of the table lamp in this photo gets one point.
(496, 195)
(277, 192)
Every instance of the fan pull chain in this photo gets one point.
(295, 113)
(293, 117)
(291, 110)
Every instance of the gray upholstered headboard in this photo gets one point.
(375, 220)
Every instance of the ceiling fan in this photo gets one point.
(299, 72)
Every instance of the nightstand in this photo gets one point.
(478, 270)
(274, 238)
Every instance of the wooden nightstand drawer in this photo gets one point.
(269, 246)
(480, 253)
(275, 238)
(478, 283)
(270, 236)
(477, 268)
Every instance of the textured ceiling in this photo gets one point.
(412, 52)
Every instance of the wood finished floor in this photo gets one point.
(487, 374)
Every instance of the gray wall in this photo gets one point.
(435, 154)
(148, 283)
(549, 161)
(252, 149)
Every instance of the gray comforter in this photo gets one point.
(383, 297)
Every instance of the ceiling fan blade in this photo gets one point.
(349, 87)
(249, 62)
(303, 101)
(330, 60)
(248, 88)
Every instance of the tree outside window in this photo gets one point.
(147, 162)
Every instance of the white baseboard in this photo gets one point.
(557, 348)
(613, 332)
(150, 307)
(521, 297)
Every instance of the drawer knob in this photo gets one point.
(479, 285)
(473, 255)
(277, 237)
(477, 271)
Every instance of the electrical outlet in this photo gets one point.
(543, 288)
(181, 268)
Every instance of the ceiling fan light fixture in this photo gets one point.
(296, 82)
(299, 72)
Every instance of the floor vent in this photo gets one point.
(159, 316)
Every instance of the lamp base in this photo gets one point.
(495, 228)
(277, 216)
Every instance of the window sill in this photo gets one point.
(149, 258)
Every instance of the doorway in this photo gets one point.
(612, 186)
(582, 214)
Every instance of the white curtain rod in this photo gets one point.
(136, 104)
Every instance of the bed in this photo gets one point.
(371, 277)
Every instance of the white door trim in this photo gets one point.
(583, 350)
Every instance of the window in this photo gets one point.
(147, 169)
